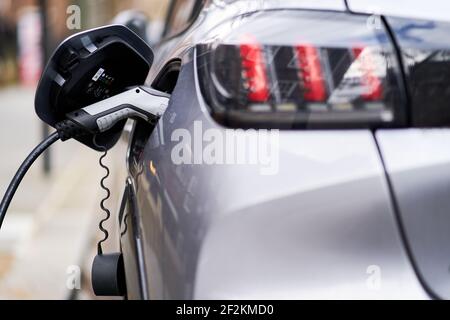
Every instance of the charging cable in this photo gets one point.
(23, 169)
(138, 103)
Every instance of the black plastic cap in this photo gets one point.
(108, 275)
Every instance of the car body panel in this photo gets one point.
(324, 226)
(418, 164)
(131, 246)
(207, 228)
(417, 160)
(431, 9)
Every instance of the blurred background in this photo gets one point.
(48, 239)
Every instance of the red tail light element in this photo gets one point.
(340, 75)
(370, 80)
(254, 70)
(310, 73)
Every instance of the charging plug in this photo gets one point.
(137, 103)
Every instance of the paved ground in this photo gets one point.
(51, 224)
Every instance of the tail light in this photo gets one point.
(300, 69)
(425, 50)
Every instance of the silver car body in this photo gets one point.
(325, 226)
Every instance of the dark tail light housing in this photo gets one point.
(425, 52)
(301, 69)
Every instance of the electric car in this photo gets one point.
(348, 196)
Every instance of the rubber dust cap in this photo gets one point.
(108, 275)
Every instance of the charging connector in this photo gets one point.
(138, 103)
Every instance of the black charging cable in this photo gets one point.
(108, 275)
(146, 104)
(23, 169)
(65, 130)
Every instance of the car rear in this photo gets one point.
(352, 201)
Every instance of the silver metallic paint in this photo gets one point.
(310, 231)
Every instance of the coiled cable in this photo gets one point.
(108, 194)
